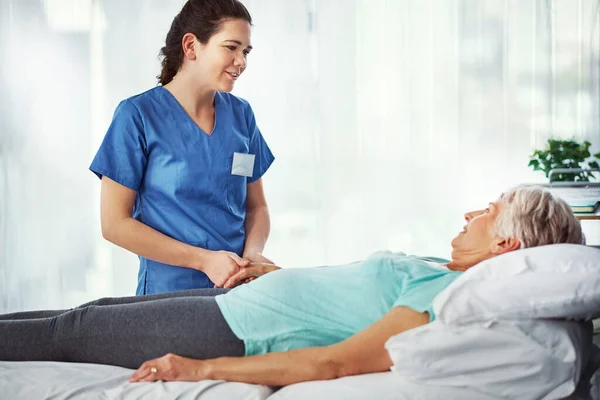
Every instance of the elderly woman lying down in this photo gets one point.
(290, 325)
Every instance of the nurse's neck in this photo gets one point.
(193, 97)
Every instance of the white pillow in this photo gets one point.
(540, 359)
(555, 281)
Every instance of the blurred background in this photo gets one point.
(388, 118)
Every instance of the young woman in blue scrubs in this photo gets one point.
(181, 164)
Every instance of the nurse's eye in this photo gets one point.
(246, 52)
(232, 48)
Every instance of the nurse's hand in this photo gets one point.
(222, 265)
(249, 273)
(256, 257)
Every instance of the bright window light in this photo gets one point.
(68, 15)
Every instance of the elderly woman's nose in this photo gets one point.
(472, 214)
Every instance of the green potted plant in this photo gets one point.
(565, 154)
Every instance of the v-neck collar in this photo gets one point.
(178, 105)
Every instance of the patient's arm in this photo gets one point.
(362, 353)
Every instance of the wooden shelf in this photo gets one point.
(585, 217)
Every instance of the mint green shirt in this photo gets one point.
(306, 307)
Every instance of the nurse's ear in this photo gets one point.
(189, 43)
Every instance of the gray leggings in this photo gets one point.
(123, 331)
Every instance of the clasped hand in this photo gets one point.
(227, 270)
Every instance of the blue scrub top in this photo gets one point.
(188, 185)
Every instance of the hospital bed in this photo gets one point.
(70, 381)
(520, 348)
(75, 381)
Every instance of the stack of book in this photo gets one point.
(584, 208)
(583, 200)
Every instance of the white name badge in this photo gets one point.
(243, 164)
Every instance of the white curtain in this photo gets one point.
(389, 119)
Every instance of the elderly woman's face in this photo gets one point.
(475, 243)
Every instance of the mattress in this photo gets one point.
(73, 381)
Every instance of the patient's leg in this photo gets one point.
(31, 314)
(138, 299)
(115, 300)
(123, 334)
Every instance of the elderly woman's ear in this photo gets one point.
(504, 245)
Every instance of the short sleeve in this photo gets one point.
(420, 296)
(122, 156)
(263, 156)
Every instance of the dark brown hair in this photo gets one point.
(203, 18)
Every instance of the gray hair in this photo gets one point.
(536, 217)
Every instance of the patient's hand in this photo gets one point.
(170, 368)
(252, 271)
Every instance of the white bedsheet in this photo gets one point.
(380, 386)
(72, 381)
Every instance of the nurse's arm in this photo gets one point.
(258, 222)
(118, 227)
(363, 353)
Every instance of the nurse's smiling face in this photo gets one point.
(218, 63)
